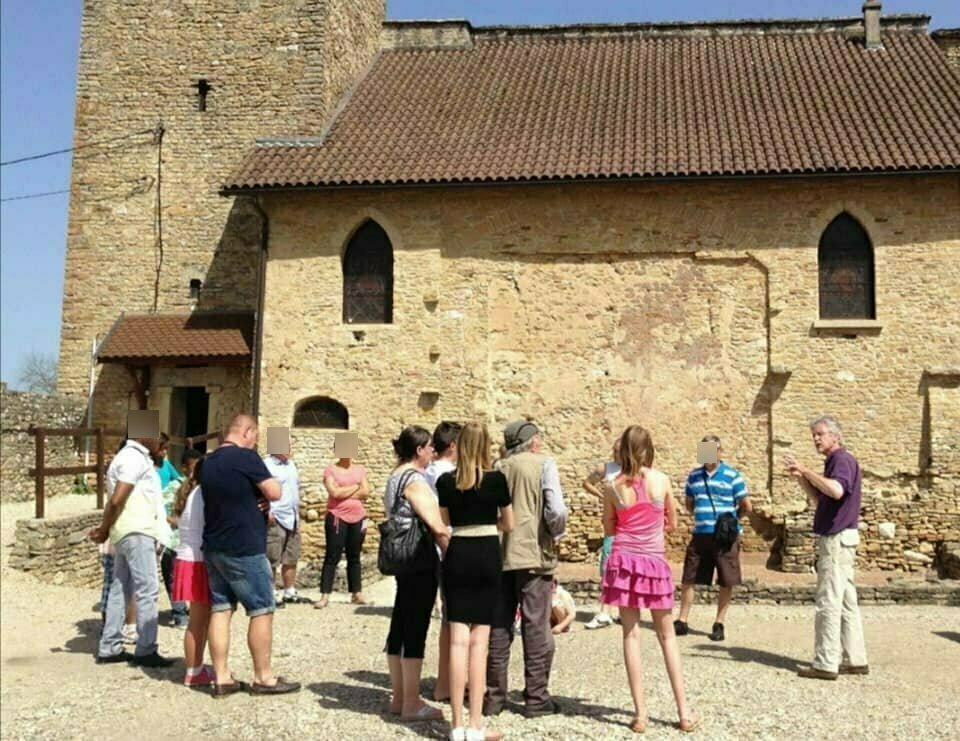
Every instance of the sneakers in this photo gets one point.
(717, 633)
(680, 628)
(600, 620)
(205, 677)
(128, 633)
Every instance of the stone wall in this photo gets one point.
(687, 306)
(58, 551)
(948, 39)
(145, 214)
(586, 592)
(18, 412)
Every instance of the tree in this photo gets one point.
(38, 373)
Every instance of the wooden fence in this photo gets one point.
(39, 472)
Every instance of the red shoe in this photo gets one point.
(205, 678)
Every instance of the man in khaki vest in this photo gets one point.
(529, 560)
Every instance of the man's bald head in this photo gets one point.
(242, 431)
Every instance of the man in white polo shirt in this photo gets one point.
(131, 520)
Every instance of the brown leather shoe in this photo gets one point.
(813, 673)
(223, 690)
(849, 669)
(281, 687)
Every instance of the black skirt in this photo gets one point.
(472, 572)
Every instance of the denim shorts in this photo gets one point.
(244, 579)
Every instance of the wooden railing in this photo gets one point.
(40, 471)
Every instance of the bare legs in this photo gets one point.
(472, 640)
(663, 625)
(288, 575)
(219, 638)
(195, 639)
(724, 597)
(405, 684)
(441, 690)
(630, 620)
(260, 643)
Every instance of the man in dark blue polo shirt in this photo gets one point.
(839, 646)
(234, 482)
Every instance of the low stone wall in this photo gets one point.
(18, 411)
(58, 551)
(896, 592)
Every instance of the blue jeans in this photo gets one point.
(244, 579)
(134, 572)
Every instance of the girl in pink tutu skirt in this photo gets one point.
(636, 507)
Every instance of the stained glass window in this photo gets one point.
(846, 271)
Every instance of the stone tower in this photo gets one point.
(169, 97)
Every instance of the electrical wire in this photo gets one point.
(34, 195)
(79, 146)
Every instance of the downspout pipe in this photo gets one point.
(261, 295)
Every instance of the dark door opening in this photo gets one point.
(189, 409)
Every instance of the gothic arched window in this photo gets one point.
(321, 411)
(845, 260)
(368, 277)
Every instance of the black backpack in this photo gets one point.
(726, 525)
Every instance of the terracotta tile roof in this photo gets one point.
(545, 105)
(148, 338)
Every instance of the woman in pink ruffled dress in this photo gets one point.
(637, 575)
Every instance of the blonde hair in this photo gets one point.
(636, 451)
(473, 455)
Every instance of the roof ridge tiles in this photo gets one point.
(460, 33)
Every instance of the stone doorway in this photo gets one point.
(189, 416)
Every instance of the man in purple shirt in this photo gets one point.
(839, 646)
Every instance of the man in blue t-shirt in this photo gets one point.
(236, 484)
(712, 490)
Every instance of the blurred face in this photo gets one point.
(616, 451)
(824, 440)
(189, 466)
(425, 454)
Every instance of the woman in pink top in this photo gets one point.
(636, 506)
(344, 527)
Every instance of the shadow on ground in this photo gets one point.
(950, 635)
(748, 655)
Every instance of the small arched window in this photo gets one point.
(321, 411)
(845, 260)
(368, 277)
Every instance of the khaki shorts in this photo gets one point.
(704, 557)
(283, 546)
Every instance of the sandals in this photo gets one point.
(425, 713)
(321, 603)
(360, 601)
(688, 725)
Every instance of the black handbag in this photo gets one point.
(405, 545)
(726, 525)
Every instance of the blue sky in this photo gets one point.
(39, 41)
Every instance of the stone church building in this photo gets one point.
(297, 208)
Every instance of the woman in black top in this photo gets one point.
(475, 501)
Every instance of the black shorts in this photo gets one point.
(703, 557)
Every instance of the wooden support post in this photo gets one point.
(100, 471)
(38, 488)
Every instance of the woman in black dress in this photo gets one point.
(475, 501)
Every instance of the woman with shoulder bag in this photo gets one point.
(409, 502)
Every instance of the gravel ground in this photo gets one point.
(742, 688)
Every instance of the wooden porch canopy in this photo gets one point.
(139, 341)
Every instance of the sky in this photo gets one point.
(39, 45)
